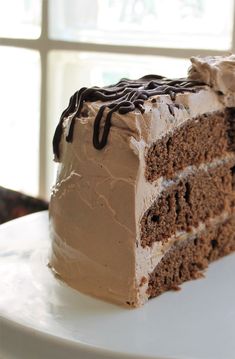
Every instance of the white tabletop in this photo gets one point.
(42, 318)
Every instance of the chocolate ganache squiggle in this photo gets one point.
(123, 97)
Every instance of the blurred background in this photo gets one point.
(50, 48)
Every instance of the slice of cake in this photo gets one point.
(144, 196)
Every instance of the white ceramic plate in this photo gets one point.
(41, 318)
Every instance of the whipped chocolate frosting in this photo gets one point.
(219, 73)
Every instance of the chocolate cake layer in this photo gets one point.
(187, 258)
(197, 141)
(193, 197)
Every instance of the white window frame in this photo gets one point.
(44, 45)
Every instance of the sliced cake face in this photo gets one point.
(144, 193)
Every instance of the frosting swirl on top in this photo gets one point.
(218, 72)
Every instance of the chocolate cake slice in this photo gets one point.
(145, 191)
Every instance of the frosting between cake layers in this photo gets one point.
(161, 122)
(219, 73)
(148, 258)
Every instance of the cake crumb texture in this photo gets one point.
(193, 198)
(197, 141)
(188, 258)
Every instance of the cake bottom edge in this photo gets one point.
(187, 259)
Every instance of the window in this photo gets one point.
(50, 48)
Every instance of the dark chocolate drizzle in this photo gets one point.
(123, 97)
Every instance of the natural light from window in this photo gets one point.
(20, 18)
(20, 109)
(168, 23)
(91, 42)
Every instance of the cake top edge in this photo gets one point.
(215, 72)
(123, 97)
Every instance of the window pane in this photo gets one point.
(19, 135)
(68, 71)
(168, 23)
(20, 18)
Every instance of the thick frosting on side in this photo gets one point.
(92, 214)
(219, 73)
